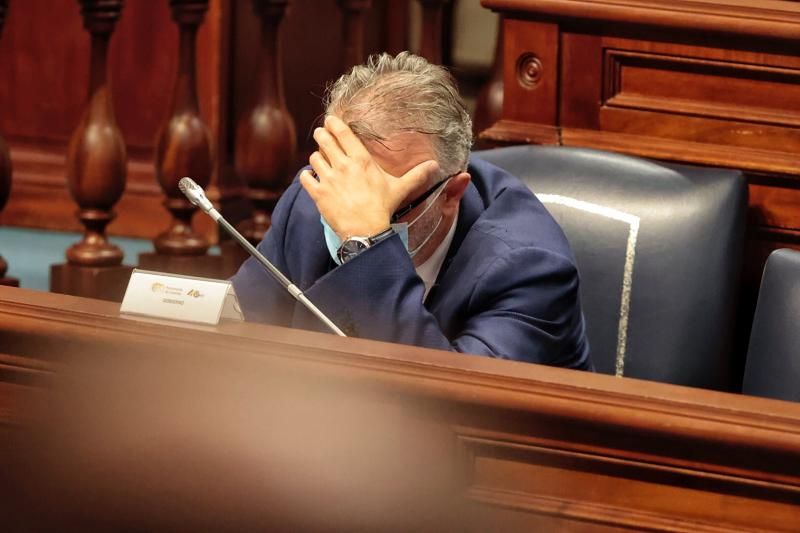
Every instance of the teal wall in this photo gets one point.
(29, 253)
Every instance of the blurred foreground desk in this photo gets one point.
(110, 422)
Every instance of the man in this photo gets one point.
(395, 237)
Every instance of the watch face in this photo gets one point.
(352, 247)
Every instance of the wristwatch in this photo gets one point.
(352, 246)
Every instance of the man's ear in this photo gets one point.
(453, 192)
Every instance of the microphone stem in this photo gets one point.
(277, 274)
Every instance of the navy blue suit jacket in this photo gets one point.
(508, 287)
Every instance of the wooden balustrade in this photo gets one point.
(353, 12)
(5, 170)
(266, 142)
(96, 170)
(184, 149)
(254, 155)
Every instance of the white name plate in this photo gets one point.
(176, 297)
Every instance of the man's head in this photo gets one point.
(389, 95)
(406, 111)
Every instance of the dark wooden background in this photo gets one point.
(44, 60)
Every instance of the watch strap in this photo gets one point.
(382, 236)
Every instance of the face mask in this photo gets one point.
(333, 241)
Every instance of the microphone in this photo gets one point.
(197, 196)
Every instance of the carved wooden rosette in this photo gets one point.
(183, 148)
(432, 21)
(354, 18)
(265, 136)
(5, 169)
(96, 171)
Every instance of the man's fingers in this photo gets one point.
(309, 183)
(403, 187)
(421, 173)
(348, 140)
(320, 165)
(329, 146)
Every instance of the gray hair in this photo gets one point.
(390, 95)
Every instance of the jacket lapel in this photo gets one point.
(468, 212)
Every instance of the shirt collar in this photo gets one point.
(429, 270)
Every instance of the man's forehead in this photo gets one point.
(400, 152)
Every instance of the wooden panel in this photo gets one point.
(580, 93)
(523, 447)
(769, 18)
(659, 86)
(531, 72)
(687, 86)
(701, 94)
(606, 491)
(681, 150)
(774, 202)
(722, 133)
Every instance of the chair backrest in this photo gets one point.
(773, 357)
(658, 248)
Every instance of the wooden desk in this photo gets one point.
(522, 447)
(708, 82)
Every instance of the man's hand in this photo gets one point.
(354, 194)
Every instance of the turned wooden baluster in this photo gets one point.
(354, 14)
(184, 142)
(5, 170)
(96, 170)
(183, 149)
(432, 20)
(265, 137)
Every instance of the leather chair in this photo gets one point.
(773, 357)
(658, 248)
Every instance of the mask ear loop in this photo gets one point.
(433, 199)
(430, 201)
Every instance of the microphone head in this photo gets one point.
(187, 184)
(194, 193)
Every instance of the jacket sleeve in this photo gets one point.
(526, 307)
(262, 298)
(522, 306)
